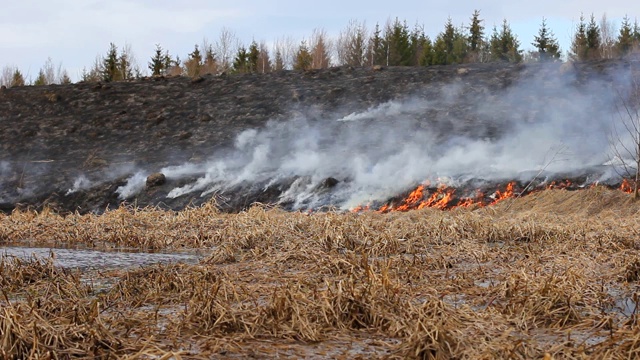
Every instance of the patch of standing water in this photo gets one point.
(95, 260)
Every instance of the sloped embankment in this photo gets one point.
(93, 137)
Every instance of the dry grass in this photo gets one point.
(555, 273)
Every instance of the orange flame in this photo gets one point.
(626, 186)
(508, 193)
(559, 185)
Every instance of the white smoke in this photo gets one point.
(80, 183)
(135, 184)
(539, 123)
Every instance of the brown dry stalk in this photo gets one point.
(554, 273)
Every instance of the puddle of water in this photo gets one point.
(92, 259)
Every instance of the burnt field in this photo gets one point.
(338, 138)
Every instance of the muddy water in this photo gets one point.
(92, 259)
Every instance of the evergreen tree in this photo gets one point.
(546, 43)
(193, 65)
(64, 78)
(579, 46)
(253, 56)
(625, 38)
(158, 63)
(397, 44)
(210, 64)
(17, 79)
(504, 45)
(264, 61)
(426, 56)
(418, 41)
(41, 79)
(376, 51)
(636, 33)
(125, 70)
(593, 39)
(303, 60)
(110, 64)
(279, 61)
(476, 37)
(476, 32)
(241, 61)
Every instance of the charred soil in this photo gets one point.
(52, 136)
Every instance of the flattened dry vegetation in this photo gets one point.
(553, 274)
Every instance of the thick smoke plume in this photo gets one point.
(451, 134)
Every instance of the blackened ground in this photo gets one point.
(50, 135)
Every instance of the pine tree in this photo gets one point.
(579, 46)
(376, 51)
(593, 39)
(253, 56)
(264, 61)
(125, 64)
(476, 32)
(193, 65)
(475, 40)
(546, 43)
(397, 44)
(504, 45)
(426, 54)
(64, 78)
(303, 60)
(41, 79)
(158, 63)
(17, 79)
(241, 61)
(110, 64)
(418, 41)
(279, 61)
(210, 63)
(625, 38)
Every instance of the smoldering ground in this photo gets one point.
(464, 132)
(490, 121)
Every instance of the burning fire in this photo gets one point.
(444, 197)
(626, 186)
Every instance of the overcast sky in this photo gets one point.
(74, 32)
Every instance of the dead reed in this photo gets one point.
(554, 274)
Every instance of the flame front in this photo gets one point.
(444, 197)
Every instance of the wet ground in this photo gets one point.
(85, 259)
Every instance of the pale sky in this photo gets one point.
(74, 32)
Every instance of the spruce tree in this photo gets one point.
(625, 38)
(476, 32)
(593, 39)
(41, 79)
(504, 45)
(253, 56)
(450, 46)
(376, 53)
(579, 46)
(397, 44)
(476, 37)
(546, 43)
(193, 64)
(158, 62)
(17, 79)
(241, 61)
(210, 64)
(303, 60)
(110, 64)
(279, 61)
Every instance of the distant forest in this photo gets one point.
(394, 44)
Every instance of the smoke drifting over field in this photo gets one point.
(538, 123)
